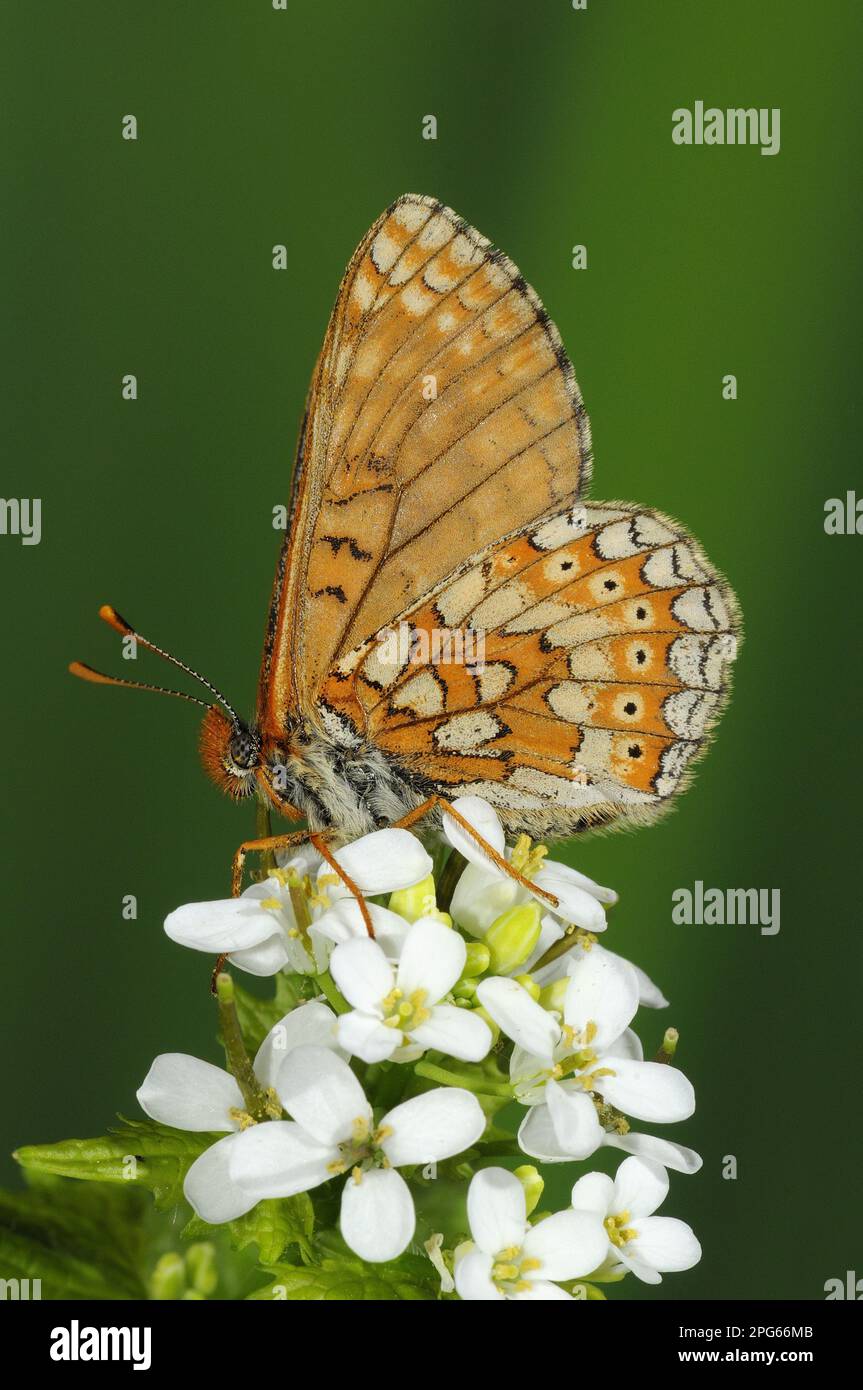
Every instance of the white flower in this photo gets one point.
(258, 931)
(484, 891)
(343, 921)
(650, 996)
(558, 1067)
(513, 1260)
(186, 1093)
(333, 1132)
(647, 1245)
(397, 1012)
(563, 1123)
(599, 999)
(382, 862)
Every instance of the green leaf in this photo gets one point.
(344, 1278)
(273, 1225)
(80, 1241)
(257, 1016)
(140, 1151)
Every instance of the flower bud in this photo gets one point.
(465, 989)
(532, 1183)
(201, 1265)
(477, 959)
(168, 1280)
(418, 901)
(512, 937)
(553, 995)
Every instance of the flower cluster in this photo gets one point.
(382, 1084)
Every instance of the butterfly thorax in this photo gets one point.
(348, 788)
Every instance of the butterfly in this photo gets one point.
(439, 493)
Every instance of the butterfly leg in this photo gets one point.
(320, 845)
(286, 841)
(441, 802)
(268, 842)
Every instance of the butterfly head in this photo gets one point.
(230, 752)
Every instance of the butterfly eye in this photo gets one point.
(243, 749)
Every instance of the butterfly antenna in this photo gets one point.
(87, 673)
(110, 616)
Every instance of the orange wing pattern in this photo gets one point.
(443, 413)
(607, 641)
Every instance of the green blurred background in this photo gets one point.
(259, 127)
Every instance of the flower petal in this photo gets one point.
(458, 1032)
(602, 991)
(279, 1159)
(271, 956)
(230, 924)
(484, 820)
(432, 959)
(382, 862)
(574, 1118)
(574, 904)
(647, 1090)
(519, 1016)
(344, 920)
(434, 1125)
(639, 1187)
(377, 1216)
(593, 1192)
(312, 1024)
(569, 1244)
(473, 1279)
(674, 1156)
(187, 1093)
(362, 973)
(596, 890)
(537, 1137)
(666, 1244)
(481, 895)
(208, 1187)
(540, 1289)
(364, 1036)
(323, 1095)
(649, 994)
(496, 1210)
(627, 1045)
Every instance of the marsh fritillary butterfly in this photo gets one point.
(438, 487)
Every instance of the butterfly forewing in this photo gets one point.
(443, 413)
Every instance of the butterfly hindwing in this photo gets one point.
(592, 652)
(443, 413)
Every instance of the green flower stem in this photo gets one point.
(263, 831)
(447, 879)
(328, 987)
(239, 1063)
(480, 1085)
(566, 942)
